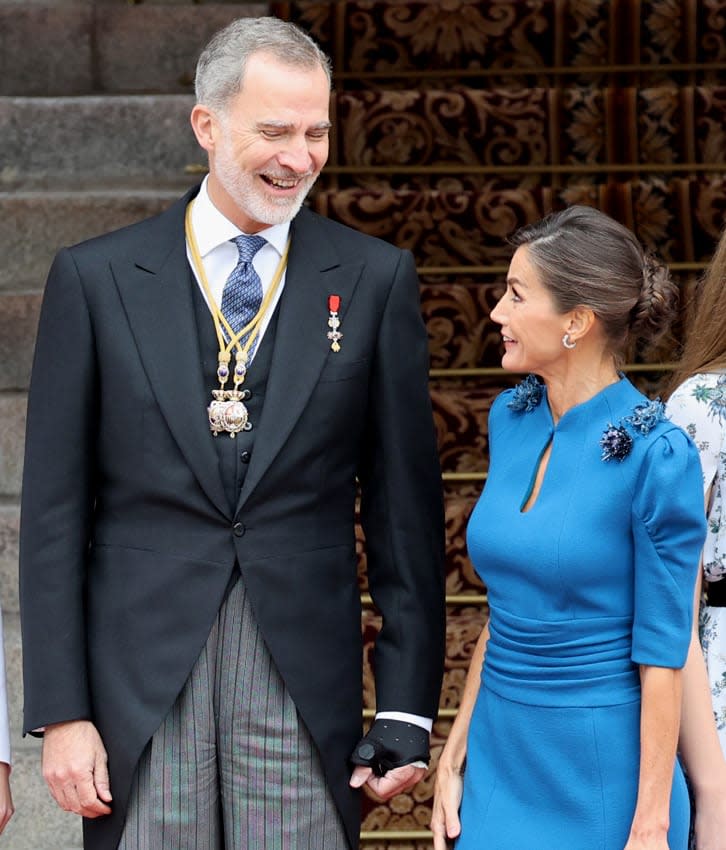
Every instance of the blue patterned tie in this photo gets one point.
(242, 293)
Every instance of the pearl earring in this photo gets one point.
(568, 343)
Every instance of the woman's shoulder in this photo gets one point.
(516, 413)
(525, 397)
(636, 423)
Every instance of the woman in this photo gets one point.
(586, 535)
(698, 404)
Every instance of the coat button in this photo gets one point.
(245, 457)
(238, 529)
(366, 751)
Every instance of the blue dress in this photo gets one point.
(594, 579)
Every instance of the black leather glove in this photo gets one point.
(391, 743)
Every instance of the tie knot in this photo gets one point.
(248, 246)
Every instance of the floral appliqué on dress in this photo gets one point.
(616, 441)
(527, 395)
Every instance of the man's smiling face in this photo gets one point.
(270, 143)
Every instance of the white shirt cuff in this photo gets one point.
(424, 722)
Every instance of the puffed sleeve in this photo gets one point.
(668, 530)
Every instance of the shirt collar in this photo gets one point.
(213, 229)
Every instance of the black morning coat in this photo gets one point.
(128, 542)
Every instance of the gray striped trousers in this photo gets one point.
(232, 766)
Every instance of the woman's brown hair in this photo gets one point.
(704, 348)
(586, 258)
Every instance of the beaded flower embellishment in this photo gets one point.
(617, 442)
(527, 395)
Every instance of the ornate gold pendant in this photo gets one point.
(227, 412)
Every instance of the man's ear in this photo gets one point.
(204, 126)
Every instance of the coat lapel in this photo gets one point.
(301, 346)
(155, 288)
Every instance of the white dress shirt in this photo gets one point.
(213, 233)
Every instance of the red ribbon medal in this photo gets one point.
(334, 335)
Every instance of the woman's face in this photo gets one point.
(532, 329)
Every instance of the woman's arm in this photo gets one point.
(660, 713)
(6, 799)
(447, 794)
(700, 748)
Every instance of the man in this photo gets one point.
(190, 608)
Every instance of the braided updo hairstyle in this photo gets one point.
(587, 259)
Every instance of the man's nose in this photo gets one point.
(296, 155)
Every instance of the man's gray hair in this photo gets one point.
(221, 66)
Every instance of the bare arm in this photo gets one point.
(700, 747)
(449, 784)
(659, 722)
(6, 799)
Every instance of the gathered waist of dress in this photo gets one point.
(561, 663)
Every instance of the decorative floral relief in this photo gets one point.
(664, 32)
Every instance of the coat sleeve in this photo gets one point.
(402, 507)
(57, 503)
(668, 530)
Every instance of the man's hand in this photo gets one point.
(75, 768)
(396, 781)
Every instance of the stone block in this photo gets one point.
(178, 3)
(38, 823)
(151, 48)
(34, 225)
(60, 59)
(54, 3)
(117, 47)
(13, 673)
(12, 440)
(18, 324)
(96, 139)
(9, 527)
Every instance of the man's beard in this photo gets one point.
(244, 190)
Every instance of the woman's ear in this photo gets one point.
(580, 322)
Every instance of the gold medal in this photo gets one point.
(227, 412)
